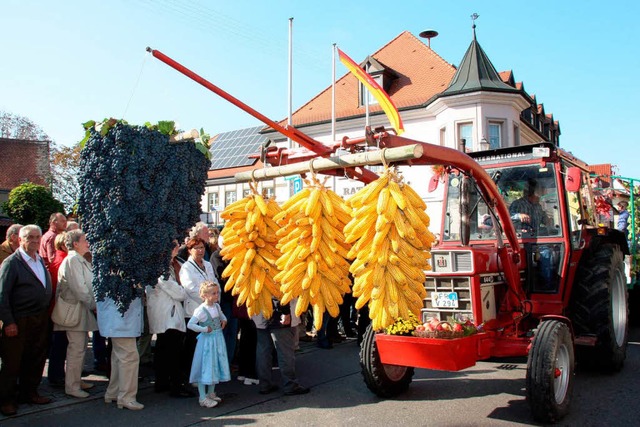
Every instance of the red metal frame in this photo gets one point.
(504, 340)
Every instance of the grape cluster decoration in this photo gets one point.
(138, 192)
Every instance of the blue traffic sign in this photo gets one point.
(297, 184)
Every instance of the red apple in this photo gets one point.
(458, 328)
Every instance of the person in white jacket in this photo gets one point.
(75, 286)
(166, 320)
(195, 271)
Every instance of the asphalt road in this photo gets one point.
(489, 394)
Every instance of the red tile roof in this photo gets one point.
(601, 169)
(421, 74)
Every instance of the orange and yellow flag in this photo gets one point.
(374, 88)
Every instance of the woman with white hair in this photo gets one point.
(74, 286)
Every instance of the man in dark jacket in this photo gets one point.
(25, 294)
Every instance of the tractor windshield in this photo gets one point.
(531, 195)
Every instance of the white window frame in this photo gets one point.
(501, 140)
(213, 201)
(230, 197)
(363, 91)
(469, 145)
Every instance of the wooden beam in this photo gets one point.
(317, 164)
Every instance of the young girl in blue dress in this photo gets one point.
(210, 365)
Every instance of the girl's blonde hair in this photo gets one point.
(207, 287)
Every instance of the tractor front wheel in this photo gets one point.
(384, 380)
(550, 371)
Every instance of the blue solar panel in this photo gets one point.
(232, 149)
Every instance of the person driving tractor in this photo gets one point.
(526, 212)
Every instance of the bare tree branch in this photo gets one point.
(20, 127)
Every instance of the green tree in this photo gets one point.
(32, 204)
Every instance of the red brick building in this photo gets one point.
(21, 161)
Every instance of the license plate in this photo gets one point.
(444, 299)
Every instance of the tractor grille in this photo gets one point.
(452, 261)
(460, 285)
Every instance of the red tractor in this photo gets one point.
(556, 288)
(521, 255)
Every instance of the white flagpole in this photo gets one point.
(366, 97)
(333, 102)
(290, 76)
(333, 94)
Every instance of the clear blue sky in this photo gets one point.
(65, 62)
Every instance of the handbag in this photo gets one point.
(66, 314)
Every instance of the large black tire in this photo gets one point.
(599, 307)
(550, 371)
(383, 380)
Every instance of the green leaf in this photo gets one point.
(167, 127)
(87, 135)
(107, 125)
(204, 138)
(203, 149)
(89, 124)
(148, 125)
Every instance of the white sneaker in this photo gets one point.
(241, 378)
(80, 394)
(132, 406)
(214, 397)
(251, 381)
(207, 403)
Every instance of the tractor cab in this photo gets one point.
(551, 220)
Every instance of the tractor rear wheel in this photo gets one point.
(550, 371)
(384, 380)
(600, 308)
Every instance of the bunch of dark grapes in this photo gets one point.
(138, 192)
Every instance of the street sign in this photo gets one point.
(297, 184)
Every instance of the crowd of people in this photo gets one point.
(202, 335)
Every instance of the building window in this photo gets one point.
(516, 135)
(230, 197)
(443, 136)
(246, 192)
(268, 192)
(375, 168)
(213, 201)
(465, 131)
(495, 135)
(364, 92)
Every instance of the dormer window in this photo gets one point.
(382, 75)
(364, 93)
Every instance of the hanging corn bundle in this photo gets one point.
(313, 266)
(249, 238)
(391, 248)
